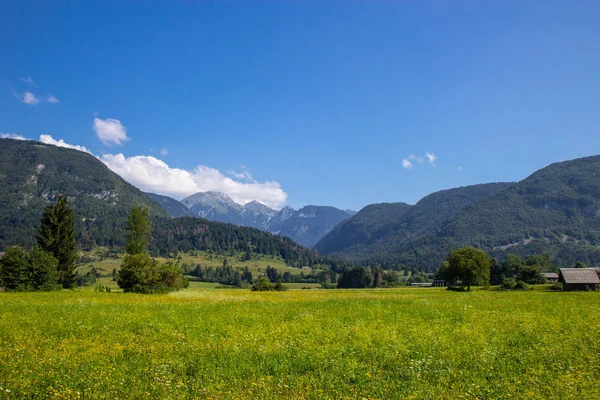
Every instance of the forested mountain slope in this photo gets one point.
(186, 233)
(378, 230)
(32, 174)
(364, 227)
(173, 207)
(556, 211)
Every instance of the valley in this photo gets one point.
(533, 216)
(300, 200)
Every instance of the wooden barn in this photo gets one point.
(578, 278)
(552, 277)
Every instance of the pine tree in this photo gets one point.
(57, 236)
(139, 229)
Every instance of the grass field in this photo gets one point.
(335, 344)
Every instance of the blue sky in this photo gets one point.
(307, 102)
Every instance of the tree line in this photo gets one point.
(462, 269)
(50, 264)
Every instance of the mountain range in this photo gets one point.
(305, 226)
(555, 211)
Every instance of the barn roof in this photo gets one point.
(549, 275)
(579, 275)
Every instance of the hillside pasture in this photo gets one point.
(257, 265)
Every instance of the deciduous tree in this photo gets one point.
(468, 267)
(357, 277)
(13, 269)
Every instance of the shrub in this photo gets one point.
(141, 274)
(43, 270)
(326, 285)
(21, 271)
(556, 287)
(262, 285)
(513, 284)
(101, 288)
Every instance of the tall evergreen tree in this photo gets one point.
(138, 230)
(57, 236)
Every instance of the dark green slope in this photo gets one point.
(364, 227)
(173, 207)
(32, 174)
(193, 233)
(378, 232)
(555, 211)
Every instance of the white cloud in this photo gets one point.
(28, 98)
(153, 175)
(431, 158)
(51, 99)
(110, 130)
(418, 159)
(28, 80)
(164, 151)
(243, 174)
(47, 139)
(12, 136)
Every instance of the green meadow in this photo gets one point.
(318, 344)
